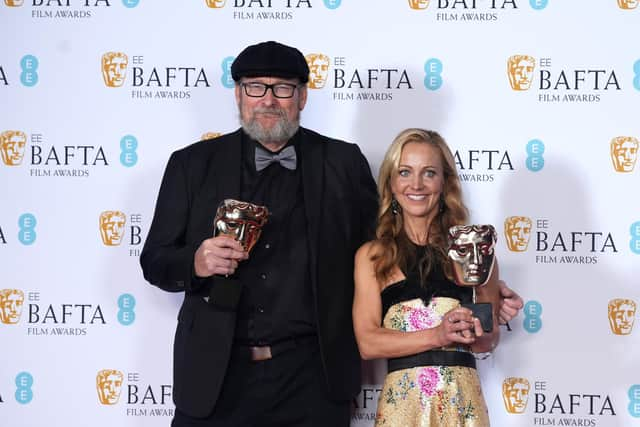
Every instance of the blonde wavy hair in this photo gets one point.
(392, 246)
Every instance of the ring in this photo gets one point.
(450, 319)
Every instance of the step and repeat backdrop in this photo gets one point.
(539, 99)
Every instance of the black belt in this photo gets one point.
(432, 358)
(259, 353)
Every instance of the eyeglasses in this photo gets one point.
(279, 90)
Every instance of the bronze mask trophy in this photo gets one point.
(243, 222)
(472, 252)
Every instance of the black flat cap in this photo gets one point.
(270, 59)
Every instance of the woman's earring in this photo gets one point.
(395, 206)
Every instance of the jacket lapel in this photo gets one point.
(312, 169)
(227, 168)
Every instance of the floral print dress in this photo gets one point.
(427, 396)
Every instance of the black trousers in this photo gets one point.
(288, 390)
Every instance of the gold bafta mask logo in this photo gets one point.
(515, 393)
(216, 4)
(13, 3)
(520, 71)
(418, 4)
(241, 221)
(318, 70)
(12, 143)
(114, 68)
(210, 135)
(517, 230)
(624, 152)
(627, 4)
(622, 313)
(112, 227)
(11, 301)
(109, 384)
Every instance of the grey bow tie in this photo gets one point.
(286, 158)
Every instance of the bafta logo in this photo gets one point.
(210, 135)
(621, 315)
(109, 384)
(520, 71)
(11, 301)
(318, 70)
(242, 221)
(112, 227)
(627, 4)
(418, 4)
(517, 231)
(13, 3)
(114, 68)
(12, 144)
(216, 4)
(624, 152)
(515, 393)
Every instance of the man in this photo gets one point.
(265, 339)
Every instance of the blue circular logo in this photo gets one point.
(634, 400)
(226, 79)
(29, 74)
(24, 394)
(27, 225)
(126, 314)
(636, 74)
(634, 243)
(532, 322)
(433, 74)
(332, 4)
(130, 3)
(535, 150)
(538, 4)
(128, 155)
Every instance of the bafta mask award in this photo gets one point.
(241, 221)
(472, 252)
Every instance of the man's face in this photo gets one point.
(109, 385)
(624, 152)
(112, 227)
(268, 119)
(521, 72)
(418, 4)
(11, 305)
(515, 395)
(12, 145)
(114, 69)
(318, 71)
(472, 250)
(628, 4)
(518, 231)
(621, 316)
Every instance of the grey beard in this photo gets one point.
(282, 131)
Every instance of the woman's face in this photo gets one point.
(419, 181)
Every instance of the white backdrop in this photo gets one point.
(74, 305)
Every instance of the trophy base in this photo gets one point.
(484, 312)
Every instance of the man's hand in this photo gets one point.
(510, 303)
(218, 255)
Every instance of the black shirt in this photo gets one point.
(276, 301)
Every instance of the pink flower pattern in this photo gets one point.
(421, 318)
(428, 379)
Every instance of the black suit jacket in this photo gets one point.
(341, 206)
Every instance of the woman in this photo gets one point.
(406, 307)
